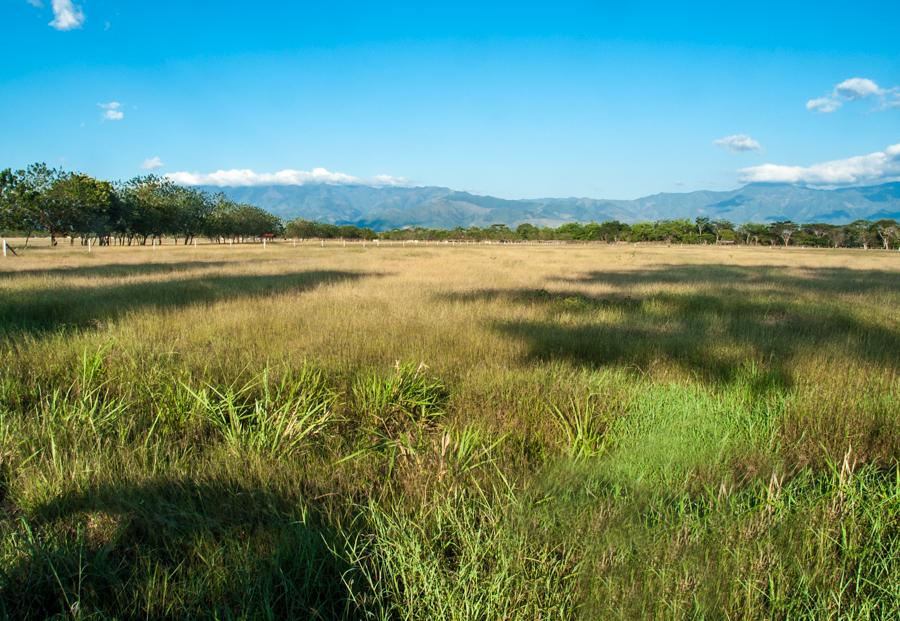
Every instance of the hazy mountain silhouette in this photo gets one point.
(396, 207)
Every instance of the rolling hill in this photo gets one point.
(396, 207)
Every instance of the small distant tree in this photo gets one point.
(527, 231)
(641, 231)
(861, 233)
(785, 230)
(191, 209)
(702, 224)
(887, 231)
(754, 232)
(613, 230)
(500, 232)
(820, 232)
(149, 209)
(570, 231)
(837, 235)
(722, 228)
(300, 228)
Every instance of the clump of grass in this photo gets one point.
(405, 398)
(583, 426)
(464, 451)
(86, 407)
(272, 418)
(457, 556)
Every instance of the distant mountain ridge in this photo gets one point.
(384, 208)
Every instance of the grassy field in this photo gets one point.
(421, 432)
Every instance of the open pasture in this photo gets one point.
(432, 432)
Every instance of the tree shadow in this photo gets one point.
(834, 280)
(719, 321)
(113, 270)
(69, 307)
(253, 552)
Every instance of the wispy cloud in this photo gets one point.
(112, 111)
(823, 104)
(738, 143)
(873, 167)
(152, 163)
(856, 89)
(247, 177)
(66, 15)
(36, 3)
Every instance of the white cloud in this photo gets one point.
(36, 3)
(66, 16)
(388, 180)
(112, 111)
(824, 104)
(874, 167)
(247, 177)
(152, 163)
(856, 89)
(738, 143)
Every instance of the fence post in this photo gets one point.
(4, 247)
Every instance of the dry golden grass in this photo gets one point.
(617, 419)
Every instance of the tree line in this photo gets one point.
(883, 233)
(59, 204)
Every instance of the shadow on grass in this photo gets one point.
(827, 280)
(70, 307)
(114, 270)
(177, 548)
(718, 322)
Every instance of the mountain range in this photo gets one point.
(391, 207)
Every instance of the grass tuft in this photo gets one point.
(273, 418)
(403, 399)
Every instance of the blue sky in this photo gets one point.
(511, 99)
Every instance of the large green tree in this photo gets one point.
(34, 205)
(83, 205)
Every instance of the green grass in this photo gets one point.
(450, 433)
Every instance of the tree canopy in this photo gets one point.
(39, 199)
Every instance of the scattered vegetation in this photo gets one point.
(59, 204)
(491, 432)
